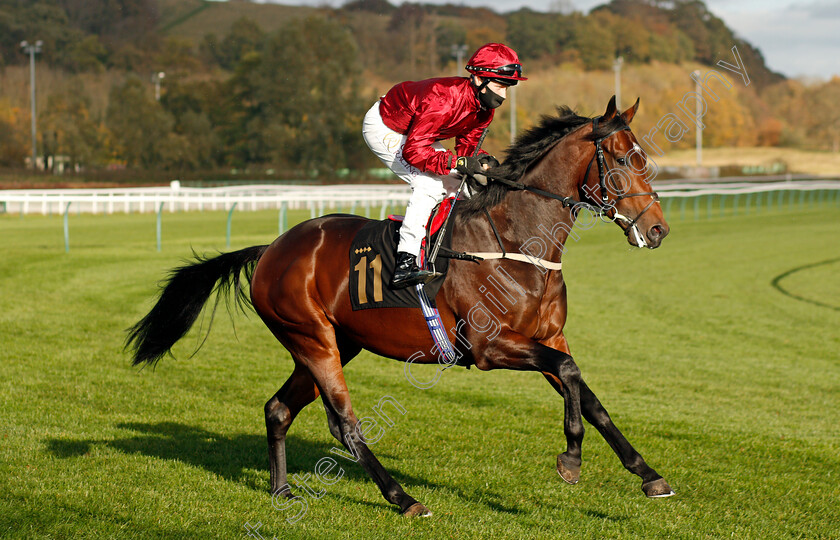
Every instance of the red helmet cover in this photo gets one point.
(494, 56)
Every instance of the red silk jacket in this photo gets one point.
(432, 110)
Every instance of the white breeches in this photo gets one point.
(427, 189)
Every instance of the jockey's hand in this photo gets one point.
(488, 161)
(471, 166)
(468, 165)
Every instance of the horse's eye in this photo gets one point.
(621, 161)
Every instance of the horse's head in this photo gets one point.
(615, 178)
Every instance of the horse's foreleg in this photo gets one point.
(594, 412)
(298, 392)
(519, 353)
(569, 462)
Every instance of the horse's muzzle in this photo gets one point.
(655, 235)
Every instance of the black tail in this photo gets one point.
(183, 297)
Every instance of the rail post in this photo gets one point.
(282, 219)
(229, 219)
(159, 211)
(67, 228)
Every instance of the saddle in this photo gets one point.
(373, 255)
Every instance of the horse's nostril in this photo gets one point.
(655, 232)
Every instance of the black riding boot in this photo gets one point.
(406, 272)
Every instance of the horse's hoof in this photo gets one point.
(417, 510)
(657, 488)
(280, 493)
(568, 472)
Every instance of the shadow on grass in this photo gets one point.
(230, 457)
(606, 517)
(234, 458)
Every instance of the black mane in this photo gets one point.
(527, 149)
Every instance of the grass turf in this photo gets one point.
(707, 352)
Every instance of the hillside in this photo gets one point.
(194, 19)
(91, 35)
(271, 87)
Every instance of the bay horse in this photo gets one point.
(299, 288)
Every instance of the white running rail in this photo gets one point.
(254, 197)
(318, 199)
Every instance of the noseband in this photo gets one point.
(602, 207)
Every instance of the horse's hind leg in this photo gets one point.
(347, 350)
(298, 392)
(324, 363)
(594, 412)
(280, 411)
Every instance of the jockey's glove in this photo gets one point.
(471, 166)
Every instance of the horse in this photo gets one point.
(299, 288)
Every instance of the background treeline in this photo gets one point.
(283, 88)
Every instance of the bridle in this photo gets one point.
(603, 206)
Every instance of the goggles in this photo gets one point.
(510, 70)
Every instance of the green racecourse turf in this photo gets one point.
(718, 355)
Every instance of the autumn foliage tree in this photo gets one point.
(308, 82)
(138, 125)
(14, 147)
(69, 129)
(291, 98)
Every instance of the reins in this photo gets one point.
(605, 204)
(600, 209)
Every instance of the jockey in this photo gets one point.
(403, 129)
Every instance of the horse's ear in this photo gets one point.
(611, 110)
(628, 115)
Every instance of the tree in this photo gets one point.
(176, 56)
(478, 36)
(309, 80)
(189, 103)
(138, 124)
(447, 35)
(409, 22)
(297, 102)
(532, 34)
(240, 114)
(67, 122)
(87, 54)
(14, 145)
(381, 7)
(824, 119)
(594, 42)
(245, 36)
(115, 20)
(37, 20)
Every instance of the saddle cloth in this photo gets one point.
(373, 257)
